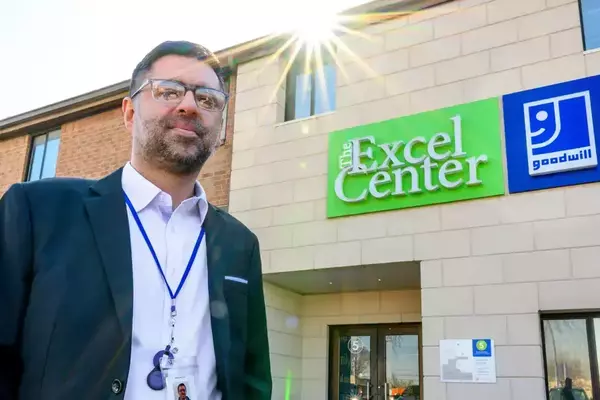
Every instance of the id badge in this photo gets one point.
(179, 375)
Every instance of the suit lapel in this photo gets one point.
(215, 246)
(108, 217)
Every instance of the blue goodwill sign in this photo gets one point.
(551, 134)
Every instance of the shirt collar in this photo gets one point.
(142, 192)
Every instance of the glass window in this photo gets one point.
(571, 356)
(402, 366)
(44, 155)
(310, 86)
(590, 15)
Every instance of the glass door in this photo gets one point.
(354, 359)
(399, 363)
(375, 362)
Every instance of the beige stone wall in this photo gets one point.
(488, 266)
(321, 311)
(299, 331)
(285, 339)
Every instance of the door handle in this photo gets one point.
(368, 390)
(386, 391)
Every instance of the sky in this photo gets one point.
(53, 50)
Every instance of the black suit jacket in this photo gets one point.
(66, 295)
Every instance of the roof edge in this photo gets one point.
(94, 95)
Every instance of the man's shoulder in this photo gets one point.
(59, 184)
(51, 187)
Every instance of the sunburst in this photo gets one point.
(318, 36)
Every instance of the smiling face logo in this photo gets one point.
(481, 345)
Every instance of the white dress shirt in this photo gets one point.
(173, 234)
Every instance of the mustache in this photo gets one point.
(170, 122)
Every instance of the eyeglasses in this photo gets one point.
(172, 92)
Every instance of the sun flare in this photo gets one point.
(318, 29)
(317, 41)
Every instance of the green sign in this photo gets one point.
(433, 157)
(481, 345)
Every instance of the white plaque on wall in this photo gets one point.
(468, 361)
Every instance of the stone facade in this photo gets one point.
(487, 266)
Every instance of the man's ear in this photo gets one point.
(128, 113)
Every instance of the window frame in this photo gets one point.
(583, 29)
(377, 332)
(591, 343)
(299, 65)
(225, 114)
(31, 152)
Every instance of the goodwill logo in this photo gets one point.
(433, 157)
(552, 130)
(560, 134)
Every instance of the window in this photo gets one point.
(590, 18)
(44, 154)
(310, 87)
(223, 135)
(570, 344)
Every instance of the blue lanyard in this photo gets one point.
(147, 239)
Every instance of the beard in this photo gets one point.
(179, 155)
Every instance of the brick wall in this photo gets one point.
(13, 154)
(94, 146)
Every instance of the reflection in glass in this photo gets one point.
(402, 366)
(52, 145)
(223, 134)
(597, 338)
(590, 12)
(303, 95)
(44, 156)
(354, 367)
(37, 155)
(567, 356)
(325, 89)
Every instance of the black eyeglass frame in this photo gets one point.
(187, 88)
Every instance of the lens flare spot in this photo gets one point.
(291, 322)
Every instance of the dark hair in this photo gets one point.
(180, 385)
(181, 48)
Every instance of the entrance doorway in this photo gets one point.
(375, 362)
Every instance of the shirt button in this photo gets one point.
(117, 386)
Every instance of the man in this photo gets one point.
(105, 285)
(182, 391)
(567, 392)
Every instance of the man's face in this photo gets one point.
(177, 137)
(182, 392)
